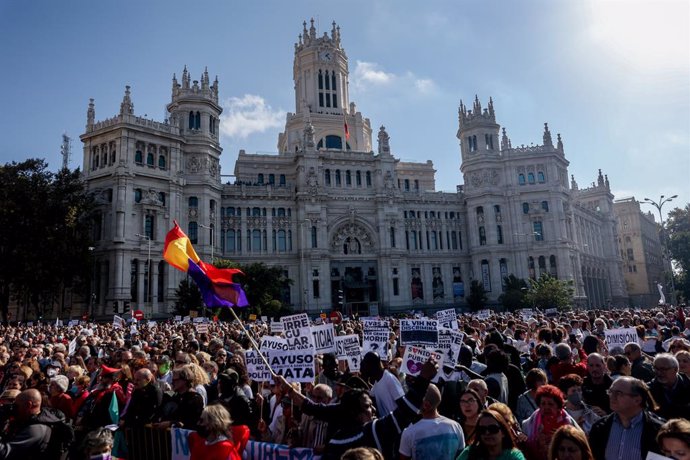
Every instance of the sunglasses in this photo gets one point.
(488, 429)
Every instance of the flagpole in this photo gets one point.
(253, 343)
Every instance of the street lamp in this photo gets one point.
(148, 267)
(92, 296)
(212, 238)
(658, 205)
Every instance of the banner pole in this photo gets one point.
(253, 343)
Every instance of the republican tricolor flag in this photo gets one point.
(347, 130)
(216, 284)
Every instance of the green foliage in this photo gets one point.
(513, 296)
(678, 229)
(477, 297)
(549, 292)
(188, 298)
(45, 223)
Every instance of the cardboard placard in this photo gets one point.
(415, 357)
(323, 337)
(447, 318)
(422, 331)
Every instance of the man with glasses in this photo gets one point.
(640, 368)
(670, 389)
(630, 431)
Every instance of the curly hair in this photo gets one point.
(216, 419)
(568, 381)
(550, 391)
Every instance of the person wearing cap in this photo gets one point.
(59, 399)
(386, 388)
(95, 412)
(233, 397)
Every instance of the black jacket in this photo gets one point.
(30, 439)
(143, 406)
(677, 404)
(599, 435)
(239, 407)
(182, 409)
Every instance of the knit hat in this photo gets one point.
(61, 381)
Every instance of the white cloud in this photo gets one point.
(369, 75)
(247, 115)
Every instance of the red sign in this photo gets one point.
(138, 315)
(336, 317)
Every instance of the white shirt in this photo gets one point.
(432, 439)
(386, 391)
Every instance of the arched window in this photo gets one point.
(112, 157)
(271, 179)
(503, 267)
(545, 206)
(256, 240)
(553, 271)
(138, 158)
(482, 236)
(314, 240)
(542, 265)
(197, 121)
(525, 208)
(149, 159)
(193, 202)
(540, 177)
(530, 266)
(337, 178)
(104, 159)
(260, 179)
(334, 142)
(137, 195)
(256, 212)
(281, 180)
(530, 178)
(486, 275)
(368, 178)
(161, 197)
(191, 120)
(327, 176)
(348, 178)
(407, 184)
(96, 160)
(193, 232)
(358, 178)
(521, 179)
(281, 212)
(161, 161)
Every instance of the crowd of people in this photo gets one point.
(531, 387)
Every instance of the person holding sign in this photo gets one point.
(386, 388)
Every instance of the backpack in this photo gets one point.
(61, 434)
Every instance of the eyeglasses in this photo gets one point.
(468, 401)
(618, 393)
(488, 429)
(663, 369)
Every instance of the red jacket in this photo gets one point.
(562, 368)
(228, 449)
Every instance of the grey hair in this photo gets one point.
(669, 358)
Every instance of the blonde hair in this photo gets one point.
(216, 419)
(200, 375)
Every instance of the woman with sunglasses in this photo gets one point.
(493, 440)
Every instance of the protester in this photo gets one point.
(98, 444)
(670, 388)
(541, 426)
(674, 439)
(493, 441)
(571, 387)
(570, 443)
(527, 404)
(216, 437)
(470, 407)
(386, 388)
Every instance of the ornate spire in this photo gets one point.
(312, 30)
(305, 33)
(204, 79)
(333, 31)
(126, 107)
(559, 145)
(90, 113)
(185, 78)
(606, 182)
(505, 142)
(547, 136)
(477, 109)
(492, 114)
(573, 184)
(384, 141)
(600, 179)
(337, 36)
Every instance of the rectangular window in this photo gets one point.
(396, 287)
(358, 178)
(454, 240)
(407, 240)
(392, 233)
(482, 236)
(315, 288)
(499, 234)
(314, 241)
(538, 231)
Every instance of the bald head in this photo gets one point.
(28, 403)
(432, 396)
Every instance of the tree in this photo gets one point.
(477, 298)
(45, 229)
(188, 298)
(513, 296)
(678, 229)
(549, 292)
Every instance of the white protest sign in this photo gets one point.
(526, 313)
(324, 338)
(276, 327)
(151, 324)
(264, 319)
(186, 320)
(375, 336)
(447, 318)
(201, 328)
(449, 344)
(256, 368)
(419, 332)
(617, 338)
(297, 331)
(72, 347)
(415, 357)
(483, 314)
(268, 342)
(199, 319)
(179, 440)
(551, 312)
(178, 318)
(294, 365)
(347, 347)
(133, 329)
(73, 322)
(118, 322)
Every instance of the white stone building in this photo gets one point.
(347, 220)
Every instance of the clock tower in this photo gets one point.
(320, 74)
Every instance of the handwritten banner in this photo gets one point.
(256, 368)
(617, 338)
(447, 318)
(419, 332)
(415, 357)
(297, 331)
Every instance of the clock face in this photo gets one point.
(326, 56)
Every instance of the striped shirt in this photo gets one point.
(625, 443)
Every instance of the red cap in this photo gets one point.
(105, 370)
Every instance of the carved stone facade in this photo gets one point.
(349, 225)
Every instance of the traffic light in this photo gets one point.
(127, 307)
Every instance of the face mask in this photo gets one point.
(101, 457)
(51, 372)
(73, 389)
(575, 398)
(266, 393)
(164, 368)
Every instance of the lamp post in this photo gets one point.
(210, 227)
(148, 267)
(92, 295)
(658, 205)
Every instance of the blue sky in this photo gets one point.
(613, 77)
